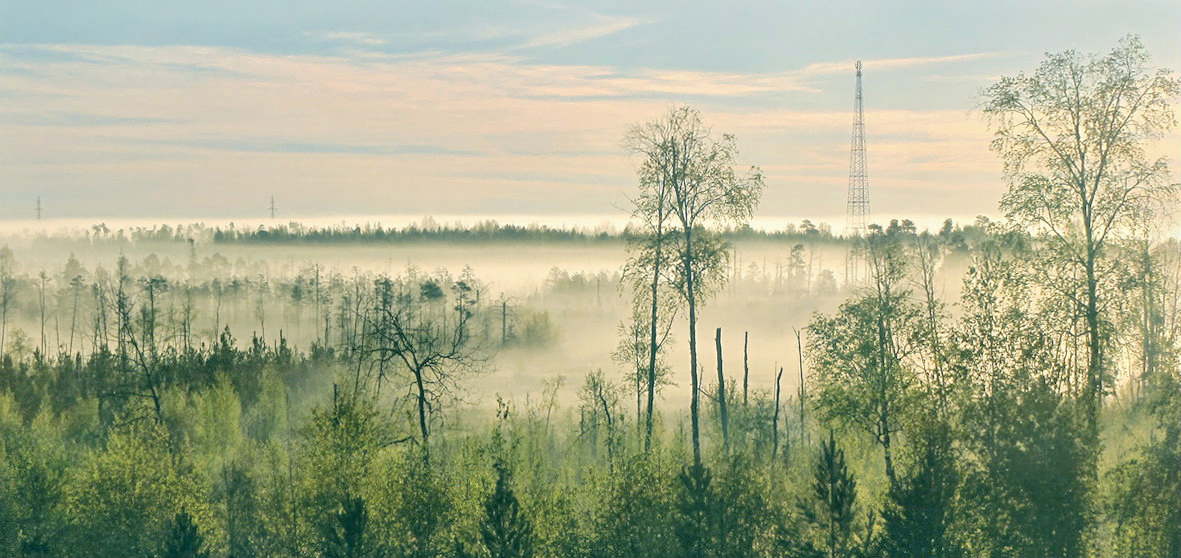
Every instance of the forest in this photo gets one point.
(998, 388)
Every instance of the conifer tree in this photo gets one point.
(694, 529)
(344, 537)
(919, 508)
(506, 531)
(834, 494)
(184, 541)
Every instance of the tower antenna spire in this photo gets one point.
(857, 211)
(272, 208)
(857, 208)
(39, 209)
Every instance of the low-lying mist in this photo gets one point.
(550, 308)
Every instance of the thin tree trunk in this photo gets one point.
(316, 275)
(262, 316)
(639, 403)
(73, 319)
(217, 316)
(610, 441)
(691, 299)
(775, 418)
(1094, 389)
(722, 393)
(886, 358)
(422, 425)
(1149, 322)
(150, 325)
(41, 296)
(653, 346)
(57, 327)
(745, 367)
(100, 319)
(803, 392)
(927, 261)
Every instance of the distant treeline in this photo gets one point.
(951, 234)
(484, 231)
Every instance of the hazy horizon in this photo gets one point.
(509, 108)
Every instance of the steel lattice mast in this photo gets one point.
(857, 211)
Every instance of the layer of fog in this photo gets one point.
(757, 301)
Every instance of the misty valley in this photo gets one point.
(684, 385)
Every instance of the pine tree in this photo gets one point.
(919, 508)
(834, 495)
(184, 541)
(694, 528)
(345, 535)
(506, 531)
(236, 491)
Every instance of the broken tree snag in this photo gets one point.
(722, 393)
(745, 366)
(775, 418)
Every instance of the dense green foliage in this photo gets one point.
(251, 454)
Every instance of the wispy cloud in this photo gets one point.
(603, 27)
(842, 67)
(74, 119)
(350, 37)
(281, 146)
(338, 131)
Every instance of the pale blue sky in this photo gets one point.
(202, 109)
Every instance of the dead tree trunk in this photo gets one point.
(76, 283)
(41, 291)
(503, 322)
(610, 425)
(745, 366)
(775, 418)
(722, 393)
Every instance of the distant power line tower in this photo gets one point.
(272, 208)
(857, 208)
(39, 208)
(857, 211)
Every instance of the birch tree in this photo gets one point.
(692, 182)
(1073, 137)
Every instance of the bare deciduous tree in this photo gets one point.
(429, 332)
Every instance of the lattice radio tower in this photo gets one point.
(857, 212)
(857, 208)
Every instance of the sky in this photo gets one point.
(204, 110)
